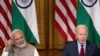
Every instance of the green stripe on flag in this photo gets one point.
(18, 22)
(84, 18)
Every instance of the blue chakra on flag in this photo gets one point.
(23, 3)
(89, 3)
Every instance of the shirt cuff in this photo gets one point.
(4, 53)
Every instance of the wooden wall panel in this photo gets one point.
(48, 34)
(40, 7)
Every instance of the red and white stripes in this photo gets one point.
(5, 21)
(65, 18)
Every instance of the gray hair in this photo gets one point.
(17, 30)
(81, 25)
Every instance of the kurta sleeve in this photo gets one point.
(4, 53)
(36, 52)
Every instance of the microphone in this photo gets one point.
(13, 52)
(13, 49)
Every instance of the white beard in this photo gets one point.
(21, 45)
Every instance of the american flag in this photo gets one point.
(5, 21)
(65, 18)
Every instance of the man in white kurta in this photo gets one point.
(17, 46)
(29, 50)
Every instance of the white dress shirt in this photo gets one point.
(79, 47)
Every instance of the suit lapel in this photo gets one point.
(88, 49)
(76, 47)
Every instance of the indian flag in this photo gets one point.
(24, 18)
(89, 15)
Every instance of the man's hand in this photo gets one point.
(8, 45)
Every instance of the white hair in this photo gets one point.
(16, 30)
(81, 25)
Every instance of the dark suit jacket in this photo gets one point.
(71, 49)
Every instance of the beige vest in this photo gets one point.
(28, 50)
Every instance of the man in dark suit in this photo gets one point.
(81, 46)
